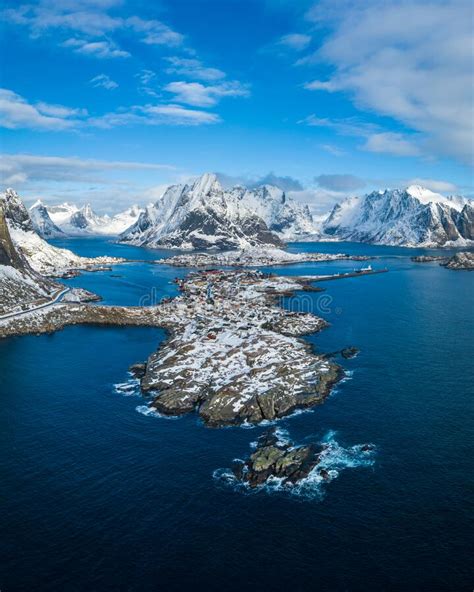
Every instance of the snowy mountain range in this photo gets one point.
(68, 219)
(20, 284)
(204, 215)
(40, 255)
(412, 217)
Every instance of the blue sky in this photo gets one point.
(107, 101)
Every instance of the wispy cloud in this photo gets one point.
(295, 41)
(103, 81)
(97, 49)
(94, 19)
(192, 68)
(340, 182)
(164, 114)
(199, 95)
(285, 183)
(391, 143)
(375, 139)
(433, 184)
(411, 61)
(17, 113)
(29, 167)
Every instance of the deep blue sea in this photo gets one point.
(96, 496)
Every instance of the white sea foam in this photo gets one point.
(334, 459)
(150, 412)
(129, 388)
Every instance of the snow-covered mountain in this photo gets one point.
(204, 215)
(410, 217)
(40, 255)
(75, 221)
(20, 285)
(42, 222)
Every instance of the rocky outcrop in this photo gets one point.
(273, 458)
(461, 261)
(277, 459)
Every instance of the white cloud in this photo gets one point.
(164, 114)
(391, 143)
(433, 184)
(103, 81)
(295, 41)
(97, 49)
(93, 20)
(29, 167)
(178, 115)
(17, 113)
(193, 68)
(409, 60)
(156, 32)
(328, 85)
(340, 182)
(376, 140)
(199, 95)
(334, 150)
(320, 201)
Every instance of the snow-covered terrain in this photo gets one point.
(411, 217)
(20, 286)
(75, 221)
(251, 257)
(42, 222)
(204, 215)
(43, 257)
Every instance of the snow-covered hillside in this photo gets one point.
(42, 222)
(20, 285)
(205, 215)
(409, 217)
(43, 257)
(75, 221)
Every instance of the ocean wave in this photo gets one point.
(334, 459)
(150, 412)
(129, 388)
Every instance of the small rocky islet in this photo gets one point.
(462, 261)
(278, 460)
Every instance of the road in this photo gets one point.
(55, 300)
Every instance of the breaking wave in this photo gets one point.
(150, 412)
(333, 460)
(129, 388)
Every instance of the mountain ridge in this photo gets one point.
(204, 215)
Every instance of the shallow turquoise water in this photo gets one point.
(96, 496)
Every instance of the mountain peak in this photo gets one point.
(206, 183)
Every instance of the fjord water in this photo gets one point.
(97, 496)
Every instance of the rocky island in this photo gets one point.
(279, 464)
(253, 257)
(462, 261)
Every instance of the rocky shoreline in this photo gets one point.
(253, 257)
(462, 261)
(279, 463)
(233, 355)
